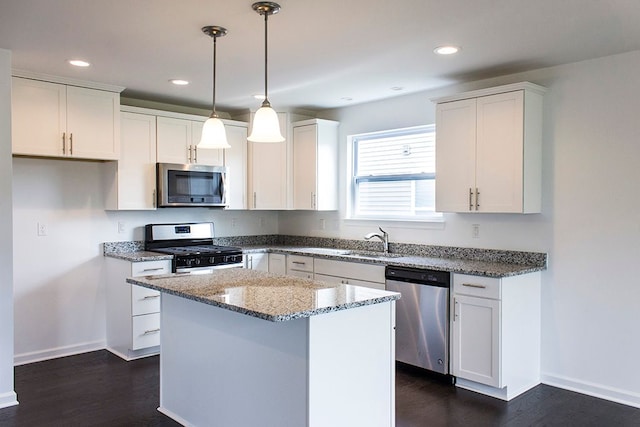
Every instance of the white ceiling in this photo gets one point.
(320, 52)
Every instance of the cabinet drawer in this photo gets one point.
(147, 268)
(479, 286)
(300, 263)
(303, 274)
(348, 281)
(346, 269)
(145, 331)
(144, 301)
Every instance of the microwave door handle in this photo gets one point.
(223, 188)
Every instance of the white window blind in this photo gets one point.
(394, 174)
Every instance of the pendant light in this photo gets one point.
(266, 126)
(213, 132)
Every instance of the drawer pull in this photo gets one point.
(151, 296)
(473, 285)
(153, 269)
(298, 262)
(151, 331)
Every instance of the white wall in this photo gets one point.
(589, 226)
(7, 394)
(59, 278)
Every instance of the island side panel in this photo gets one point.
(352, 367)
(221, 368)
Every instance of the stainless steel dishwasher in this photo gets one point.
(422, 316)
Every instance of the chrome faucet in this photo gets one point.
(384, 237)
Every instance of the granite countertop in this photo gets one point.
(265, 295)
(453, 265)
(139, 256)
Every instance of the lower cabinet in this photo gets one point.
(495, 340)
(349, 273)
(300, 266)
(133, 312)
(257, 261)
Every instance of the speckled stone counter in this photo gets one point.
(265, 295)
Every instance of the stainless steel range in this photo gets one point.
(191, 245)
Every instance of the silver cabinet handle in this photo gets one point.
(153, 200)
(470, 199)
(477, 198)
(455, 310)
(254, 199)
(151, 296)
(64, 143)
(473, 285)
(151, 331)
(298, 263)
(71, 144)
(195, 154)
(153, 269)
(189, 154)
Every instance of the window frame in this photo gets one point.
(354, 180)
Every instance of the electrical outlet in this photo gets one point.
(121, 227)
(42, 229)
(475, 231)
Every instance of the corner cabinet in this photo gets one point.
(63, 121)
(133, 312)
(495, 340)
(488, 150)
(315, 165)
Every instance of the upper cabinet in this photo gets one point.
(57, 120)
(488, 150)
(315, 165)
(235, 158)
(178, 139)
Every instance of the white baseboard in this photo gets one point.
(624, 397)
(53, 353)
(8, 399)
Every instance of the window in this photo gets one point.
(394, 174)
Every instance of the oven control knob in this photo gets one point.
(197, 261)
(188, 262)
(212, 260)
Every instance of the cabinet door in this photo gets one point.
(278, 264)
(304, 167)
(258, 262)
(136, 170)
(499, 152)
(203, 156)
(38, 118)
(235, 158)
(455, 155)
(93, 123)
(476, 343)
(268, 171)
(174, 140)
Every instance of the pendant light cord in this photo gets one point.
(265, 103)
(215, 40)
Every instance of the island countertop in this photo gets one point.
(265, 295)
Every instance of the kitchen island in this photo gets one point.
(246, 348)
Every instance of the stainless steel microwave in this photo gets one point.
(191, 185)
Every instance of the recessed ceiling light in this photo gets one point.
(78, 63)
(446, 50)
(397, 88)
(347, 98)
(179, 82)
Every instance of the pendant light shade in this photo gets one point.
(213, 132)
(266, 126)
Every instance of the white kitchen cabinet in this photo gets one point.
(257, 261)
(488, 150)
(133, 312)
(495, 340)
(235, 158)
(315, 165)
(300, 266)
(57, 120)
(278, 264)
(349, 273)
(177, 140)
(131, 182)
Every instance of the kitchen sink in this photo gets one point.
(372, 254)
(326, 251)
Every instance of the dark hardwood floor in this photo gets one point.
(99, 389)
